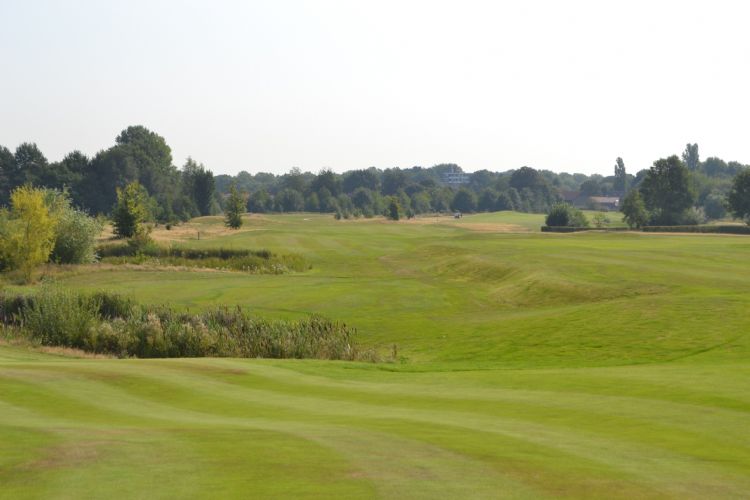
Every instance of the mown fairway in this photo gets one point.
(530, 365)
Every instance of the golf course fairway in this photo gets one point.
(514, 364)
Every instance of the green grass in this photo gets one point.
(596, 365)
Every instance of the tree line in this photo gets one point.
(173, 194)
(687, 191)
(138, 155)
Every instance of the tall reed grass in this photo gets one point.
(251, 261)
(112, 324)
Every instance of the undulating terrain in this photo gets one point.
(514, 364)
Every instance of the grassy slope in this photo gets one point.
(602, 365)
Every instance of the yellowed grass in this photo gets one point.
(67, 352)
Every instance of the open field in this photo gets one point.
(605, 365)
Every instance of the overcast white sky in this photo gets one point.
(265, 86)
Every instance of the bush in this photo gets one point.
(563, 215)
(574, 229)
(75, 237)
(693, 216)
(111, 324)
(252, 261)
(56, 317)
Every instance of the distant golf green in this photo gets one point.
(602, 365)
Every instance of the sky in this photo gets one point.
(271, 85)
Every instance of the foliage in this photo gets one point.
(234, 208)
(250, 261)
(290, 200)
(29, 233)
(464, 201)
(600, 220)
(634, 210)
(666, 191)
(111, 324)
(75, 230)
(198, 186)
(739, 196)
(562, 214)
(693, 216)
(620, 184)
(131, 212)
(394, 208)
(691, 157)
(715, 206)
(697, 228)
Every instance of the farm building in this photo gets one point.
(609, 203)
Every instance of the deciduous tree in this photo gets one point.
(131, 211)
(235, 207)
(666, 191)
(30, 235)
(739, 196)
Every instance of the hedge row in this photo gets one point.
(734, 229)
(574, 229)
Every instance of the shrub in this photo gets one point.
(75, 237)
(252, 261)
(107, 323)
(562, 214)
(693, 216)
(63, 318)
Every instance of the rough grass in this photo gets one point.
(111, 324)
(580, 366)
(224, 259)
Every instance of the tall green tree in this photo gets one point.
(131, 211)
(198, 184)
(666, 191)
(394, 208)
(326, 179)
(620, 183)
(234, 208)
(294, 179)
(356, 179)
(7, 168)
(464, 201)
(393, 180)
(31, 166)
(691, 157)
(634, 210)
(138, 155)
(739, 196)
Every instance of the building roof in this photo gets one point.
(605, 199)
